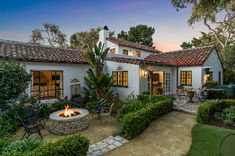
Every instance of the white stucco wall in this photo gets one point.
(70, 71)
(133, 78)
(196, 75)
(214, 62)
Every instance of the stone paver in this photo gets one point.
(106, 145)
(190, 108)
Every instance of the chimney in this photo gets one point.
(103, 35)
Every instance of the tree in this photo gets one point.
(208, 11)
(84, 38)
(51, 34)
(14, 80)
(98, 84)
(186, 45)
(229, 60)
(141, 34)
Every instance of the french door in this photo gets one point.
(167, 84)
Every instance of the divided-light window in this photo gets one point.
(120, 78)
(186, 78)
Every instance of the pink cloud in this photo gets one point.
(164, 47)
(9, 32)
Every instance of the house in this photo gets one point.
(136, 68)
(58, 72)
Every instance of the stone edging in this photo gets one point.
(106, 145)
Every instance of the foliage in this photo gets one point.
(229, 76)
(71, 146)
(227, 115)
(206, 140)
(51, 33)
(92, 105)
(229, 57)
(206, 110)
(135, 117)
(4, 143)
(22, 145)
(98, 84)
(14, 80)
(214, 94)
(212, 84)
(186, 45)
(141, 34)
(81, 40)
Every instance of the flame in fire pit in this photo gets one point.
(69, 112)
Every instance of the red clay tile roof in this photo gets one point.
(127, 60)
(38, 53)
(188, 57)
(133, 45)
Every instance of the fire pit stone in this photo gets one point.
(61, 125)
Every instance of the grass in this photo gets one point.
(206, 140)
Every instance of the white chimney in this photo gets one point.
(103, 35)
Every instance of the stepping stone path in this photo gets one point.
(106, 145)
(190, 108)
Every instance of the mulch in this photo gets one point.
(220, 124)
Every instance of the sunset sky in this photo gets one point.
(19, 17)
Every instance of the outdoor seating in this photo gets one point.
(32, 116)
(100, 108)
(30, 128)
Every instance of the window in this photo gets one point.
(120, 78)
(219, 77)
(210, 76)
(112, 50)
(138, 53)
(186, 78)
(47, 84)
(125, 52)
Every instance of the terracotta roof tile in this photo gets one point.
(127, 60)
(133, 45)
(38, 53)
(188, 57)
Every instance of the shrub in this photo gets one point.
(14, 80)
(207, 109)
(72, 146)
(4, 143)
(143, 97)
(213, 94)
(92, 105)
(135, 119)
(227, 115)
(22, 145)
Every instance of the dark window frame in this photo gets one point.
(55, 84)
(125, 51)
(122, 80)
(185, 81)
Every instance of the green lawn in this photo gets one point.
(206, 141)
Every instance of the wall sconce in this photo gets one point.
(145, 73)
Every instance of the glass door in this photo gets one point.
(167, 88)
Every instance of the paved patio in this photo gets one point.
(169, 135)
(184, 106)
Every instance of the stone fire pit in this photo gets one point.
(61, 125)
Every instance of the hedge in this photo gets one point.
(134, 122)
(207, 109)
(72, 146)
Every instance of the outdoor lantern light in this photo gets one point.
(145, 73)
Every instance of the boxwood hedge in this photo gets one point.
(207, 109)
(135, 117)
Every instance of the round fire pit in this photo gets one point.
(63, 125)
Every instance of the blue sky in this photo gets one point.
(19, 17)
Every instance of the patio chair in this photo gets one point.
(32, 115)
(29, 128)
(100, 108)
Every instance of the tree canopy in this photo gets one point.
(49, 34)
(84, 38)
(141, 34)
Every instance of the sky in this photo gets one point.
(19, 17)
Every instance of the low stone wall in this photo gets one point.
(68, 125)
